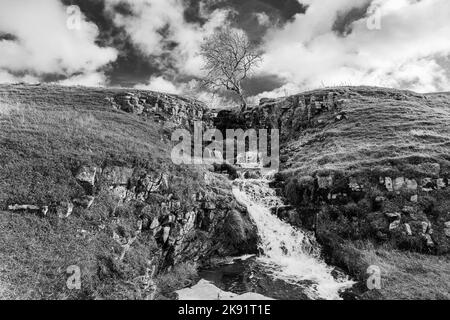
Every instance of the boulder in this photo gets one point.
(117, 175)
(86, 178)
(411, 185)
(399, 184)
(166, 234)
(440, 184)
(408, 229)
(393, 215)
(447, 229)
(389, 184)
(65, 210)
(394, 225)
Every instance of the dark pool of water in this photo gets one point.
(250, 275)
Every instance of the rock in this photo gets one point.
(447, 229)
(155, 224)
(414, 198)
(120, 192)
(86, 177)
(428, 185)
(393, 215)
(399, 184)
(166, 234)
(440, 183)
(44, 210)
(24, 207)
(408, 229)
(65, 210)
(388, 183)
(411, 185)
(426, 227)
(394, 225)
(429, 240)
(117, 175)
(208, 205)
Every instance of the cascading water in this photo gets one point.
(289, 265)
(287, 253)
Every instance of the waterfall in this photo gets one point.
(287, 253)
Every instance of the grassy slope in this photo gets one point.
(45, 132)
(380, 131)
(386, 134)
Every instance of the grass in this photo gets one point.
(46, 133)
(381, 130)
(179, 277)
(404, 275)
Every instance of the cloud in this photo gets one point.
(159, 84)
(404, 53)
(191, 89)
(263, 18)
(40, 43)
(95, 79)
(160, 31)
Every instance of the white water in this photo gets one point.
(288, 253)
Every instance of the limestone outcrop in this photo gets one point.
(161, 107)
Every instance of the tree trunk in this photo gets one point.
(243, 101)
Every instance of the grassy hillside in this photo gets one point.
(382, 128)
(373, 135)
(368, 169)
(133, 209)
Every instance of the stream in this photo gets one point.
(289, 265)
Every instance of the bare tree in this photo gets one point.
(230, 58)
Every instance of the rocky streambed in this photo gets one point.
(288, 266)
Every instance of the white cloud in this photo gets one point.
(159, 84)
(43, 44)
(150, 17)
(263, 19)
(404, 53)
(95, 79)
(6, 77)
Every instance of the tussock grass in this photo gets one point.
(404, 275)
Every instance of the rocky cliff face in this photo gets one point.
(362, 164)
(161, 107)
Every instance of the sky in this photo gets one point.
(154, 44)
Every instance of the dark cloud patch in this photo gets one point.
(260, 84)
(279, 12)
(7, 37)
(343, 23)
